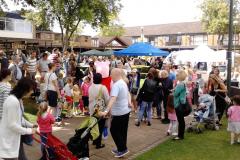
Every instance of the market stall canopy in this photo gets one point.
(141, 49)
(92, 52)
(108, 53)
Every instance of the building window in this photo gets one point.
(15, 25)
(10, 24)
(197, 40)
(2, 25)
(235, 39)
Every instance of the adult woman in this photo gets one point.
(146, 95)
(98, 92)
(217, 88)
(71, 66)
(167, 85)
(5, 87)
(13, 123)
(179, 97)
(52, 90)
(134, 83)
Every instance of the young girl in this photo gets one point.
(234, 120)
(68, 96)
(85, 87)
(45, 121)
(172, 128)
(77, 96)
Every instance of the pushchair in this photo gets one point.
(205, 114)
(58, 148)
(78, 144)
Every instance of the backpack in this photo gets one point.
(99, 101)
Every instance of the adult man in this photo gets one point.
(42, 64)
(32, 65)
(3, 61)
(14, 67)
(119, 107)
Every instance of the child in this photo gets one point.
(40, 88)
(85, 87)
(45, 121)
(77, 96)
(234, 120)
(60, 81)
(172, 128)
(68, 96)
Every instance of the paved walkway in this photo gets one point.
(139, 139)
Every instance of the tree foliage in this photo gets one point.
(70, 13)
(215, 17)
(114, 28)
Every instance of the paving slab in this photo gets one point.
(140, 139)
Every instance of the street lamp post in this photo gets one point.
(229, 52)
(179, 34)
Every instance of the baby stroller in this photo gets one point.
(78, 144)
(205, 114)
(58, 148)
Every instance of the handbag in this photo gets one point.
(27, 138)
(186, 108)
(134, 91)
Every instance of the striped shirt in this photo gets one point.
(4, 93)
(32, 65)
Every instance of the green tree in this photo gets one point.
(215, 17)
(70, 13)
(114, 28)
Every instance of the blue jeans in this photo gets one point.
(145, 106)
(47, 153)
(159, 109)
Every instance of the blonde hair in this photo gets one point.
(164, 74)
(76, 88)
(43, 107)
(181, 75)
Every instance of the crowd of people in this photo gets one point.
(57, 82)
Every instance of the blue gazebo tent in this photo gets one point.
(141, 49)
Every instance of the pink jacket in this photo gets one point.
(85, 88)
(45, 123)
(234, 114)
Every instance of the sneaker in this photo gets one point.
(137, 124)
(121, 154)
(149, 124)
(114, 151)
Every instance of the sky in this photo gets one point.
(150, 12)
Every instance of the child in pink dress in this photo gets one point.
(172, 128)
(45, 121)
(85, 97)
(234, 120)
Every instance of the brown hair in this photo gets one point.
(43, 107)
(236, 99)
(170, 104)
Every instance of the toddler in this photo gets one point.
(45, 121)
(68, 96)
(77, 96)
(85, 87)
(172, 128)
(234, 120)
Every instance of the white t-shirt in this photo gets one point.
(68, 90)
(49, 78)
(120, 90)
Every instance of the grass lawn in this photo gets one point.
(210, 145)
(30, 109)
